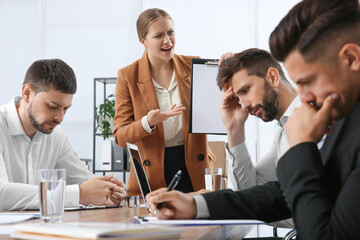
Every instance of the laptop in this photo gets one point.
(139, 171)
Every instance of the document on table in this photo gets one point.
(14, 217)
(93, 230)
(88, 207)
(6, 229)
(192, 222)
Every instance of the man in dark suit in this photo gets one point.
(318, 41)
(322, 56)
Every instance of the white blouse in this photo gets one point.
(173, 125)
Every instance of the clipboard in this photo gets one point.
(205, 98)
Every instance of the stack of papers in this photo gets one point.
(92, 230)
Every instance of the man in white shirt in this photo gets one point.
(30, 139)
(254, 83)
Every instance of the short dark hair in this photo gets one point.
(46, 74)
(255, 61)
(316, 29)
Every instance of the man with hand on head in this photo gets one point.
(31, 139)
(318, 41)
(253, 83)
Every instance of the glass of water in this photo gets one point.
(52, 184)
(213, 179)
(133, 201)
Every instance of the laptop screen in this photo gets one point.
(139, 171)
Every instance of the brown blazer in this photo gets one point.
(134, 97)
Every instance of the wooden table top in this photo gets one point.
(124, 214)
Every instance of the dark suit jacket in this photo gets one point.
(134, 97)
(322, 190)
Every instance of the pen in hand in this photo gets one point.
(171, 186)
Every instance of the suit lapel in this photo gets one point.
(183, 80)
(145, 84)
(330, 141)
(342, 126)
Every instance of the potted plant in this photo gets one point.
(105, 114)
(105, 124)
(111, 154)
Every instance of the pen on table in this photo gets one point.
(171, 186)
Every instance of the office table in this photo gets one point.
(124, 214)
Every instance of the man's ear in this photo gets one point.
(350, 55)
(273, 77)
(27, 90)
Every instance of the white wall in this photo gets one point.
(19, 43)
(96, 38)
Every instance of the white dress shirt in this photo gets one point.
(173, 133)
(21, 158)
(242, 172)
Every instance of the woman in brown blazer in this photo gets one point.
(152, 100)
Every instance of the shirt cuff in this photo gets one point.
(238, 152)
(201, 207)
(145, 124)
(72, 197)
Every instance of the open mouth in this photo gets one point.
(166, 50)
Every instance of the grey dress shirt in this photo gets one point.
(242, 172)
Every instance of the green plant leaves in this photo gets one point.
(105, 114)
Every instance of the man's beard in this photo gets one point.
(270, 103)
(39, 127)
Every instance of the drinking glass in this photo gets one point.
(52, 184)
(213, 179)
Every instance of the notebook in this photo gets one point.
(139, 171)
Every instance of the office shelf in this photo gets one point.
(104, 83)
(111, 171)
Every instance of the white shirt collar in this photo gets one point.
(294, 104)
(12, 117)
(13, 120)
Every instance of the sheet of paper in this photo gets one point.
(206, 101)
(6, 229)
(9, 217)
(155, 220)
(88, 207)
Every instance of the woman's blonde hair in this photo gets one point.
(146, 18)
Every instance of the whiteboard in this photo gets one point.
(205, 99)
